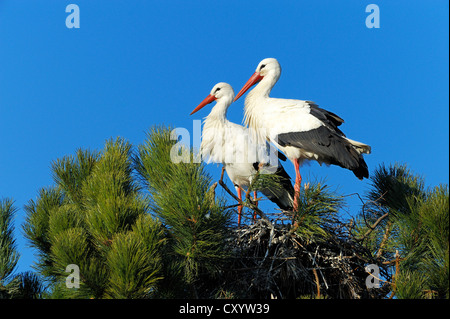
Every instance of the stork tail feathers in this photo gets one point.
(360, 147)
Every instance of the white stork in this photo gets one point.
(300, 129)
(231, 144)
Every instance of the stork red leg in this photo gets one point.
(298, 181)
(238, 190)
(256, 203)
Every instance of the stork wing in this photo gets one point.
(328, 145)
(329, 119)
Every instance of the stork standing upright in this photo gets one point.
(231, 144)
(300, 129)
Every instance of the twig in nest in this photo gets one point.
(364, 206)
(231, 206)
(375, 224)
(371, 228)
(397, 266)
(385, 237)
(317, 282)
(371, 274)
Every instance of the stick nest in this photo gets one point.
(273, 261)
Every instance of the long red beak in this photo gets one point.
(255, 78)
(210, 98)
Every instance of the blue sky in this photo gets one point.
(132, 64)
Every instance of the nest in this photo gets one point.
(272, 261)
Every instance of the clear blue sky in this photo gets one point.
(132, 64)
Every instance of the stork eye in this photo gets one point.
(218, 89)
(262, 66)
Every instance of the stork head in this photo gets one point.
(221, 92)
(267, 68)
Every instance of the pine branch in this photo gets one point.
(9, 256)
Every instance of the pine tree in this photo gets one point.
(149, 224)
(411, 232)
(9, 255)
(23, 285)
(95, 218)
(181, 194)
(168, 239)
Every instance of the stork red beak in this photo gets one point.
(255, 78)
(210, 98)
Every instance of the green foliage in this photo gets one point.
(37, 224)
(70, 173)
(178, 194)
(112, 201)
(423, 238)
(149, 225)
(413, 221)
(24, 285)
(394, 187)
(95, 218)
(317, 211)
(262, 180)
(134, 261)
(8, 251)
(410, 285)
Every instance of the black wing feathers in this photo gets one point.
(329, 119)
(331, 147)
